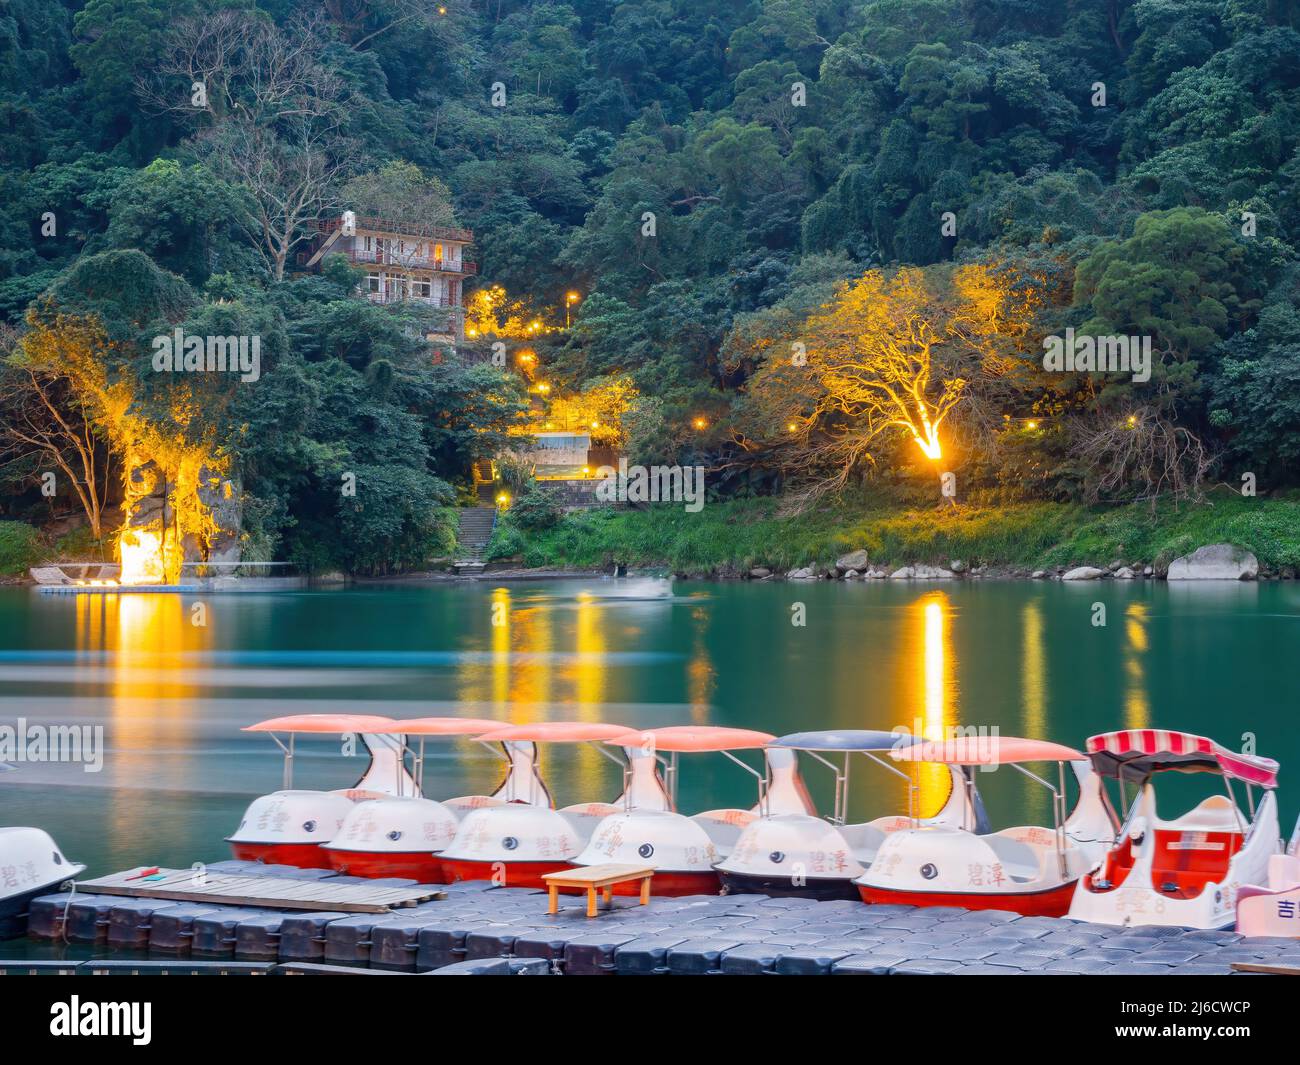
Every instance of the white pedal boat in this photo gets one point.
(1029, 869)
(801, 854)
(401, 835)
(291, 827)
(1188, 871)
(517, 842)
(31, 864)
(684, 850)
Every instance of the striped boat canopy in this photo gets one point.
(1137, 753)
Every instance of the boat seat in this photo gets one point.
(724, 827)
(1019, 860)
(1216, 814)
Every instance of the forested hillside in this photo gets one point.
(721, 183)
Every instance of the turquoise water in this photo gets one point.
(1026, 658)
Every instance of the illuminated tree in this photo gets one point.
(891, 358)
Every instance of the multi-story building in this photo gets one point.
(403, 261)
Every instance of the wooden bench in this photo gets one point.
(602, 877)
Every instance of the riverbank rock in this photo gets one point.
(922, 573)
(851, 575)
(853, 560)
(1124, 574)
(1083, 573)
(806, 573)
(1215, 562)
(1038, 575)
(957, 566)
(759, 572)
(933, 573)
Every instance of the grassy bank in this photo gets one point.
(744, 533)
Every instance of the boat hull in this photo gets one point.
(506, 874)
(824, 889)
(1052, 902)
(420, 866)
(302, 855)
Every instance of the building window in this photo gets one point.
(422, 288)
(372, 282)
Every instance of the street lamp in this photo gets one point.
(569, 300)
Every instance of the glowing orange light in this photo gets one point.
(503, 499)
(142, 557)
(1031, 424)
(700, 423)
(792, 427)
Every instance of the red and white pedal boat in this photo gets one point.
(800, 854)
(400, 836)
(1028, 869)
(291, 827)
(515, 843)
(1188, 871)
(684, 850)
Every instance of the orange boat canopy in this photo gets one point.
(697, 738)
(558, 732)
(441, 726)
(336, 723)
(988, 750)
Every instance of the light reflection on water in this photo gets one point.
(1024, 658)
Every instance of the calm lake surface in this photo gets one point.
(1218, 659)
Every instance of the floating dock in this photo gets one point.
(267, 919)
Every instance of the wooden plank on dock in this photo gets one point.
(282, 893)
(1273, 970)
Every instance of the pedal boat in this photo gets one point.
(1273, 909)
(31, 864)
(684, 850)
(291, 827)
(803, 855)
(516, 842)
(1027, 869)
(1189, 871)
(401, 835)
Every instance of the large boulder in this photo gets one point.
(1083, 573)
(1215, 562)
(853, 560)
(805, 573)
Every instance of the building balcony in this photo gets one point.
(405, 297)
(411, 262)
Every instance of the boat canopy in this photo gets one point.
(988, 750)
(557, 732)
(847, 740)
(442, 726)
(1134, 754)
(696, 738)
(324, 723)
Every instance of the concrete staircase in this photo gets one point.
(472, 538)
